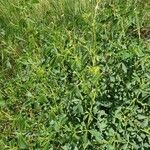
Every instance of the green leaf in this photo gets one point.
(145, 123)
(75, 148)
(8, 64)
(96, 134)
(22, 143)
(124, 68)
(2, 103)
(124, 147)
(141, 117)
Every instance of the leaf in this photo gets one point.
(124, 68)
(80, 108)
(66, 147)
(139, 138)
(146, 145)
(28, 94)
(124, 147)
(75, 148)
(145, 123)
(96, 134)
(8, 64)
(141, 117)
(102, 126)
(135, 145)
(111, 147)
(2, 145)
(2, 103)
(22, 143)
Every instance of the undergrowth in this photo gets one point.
(74, 74)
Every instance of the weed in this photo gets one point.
(74, 74)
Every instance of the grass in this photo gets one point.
(74, 74)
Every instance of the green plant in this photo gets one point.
(74, 74)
